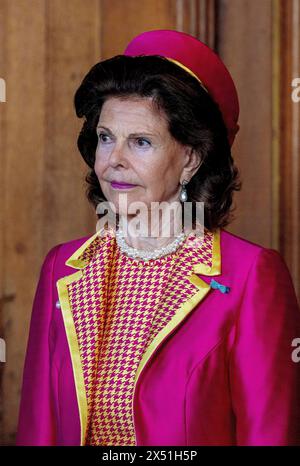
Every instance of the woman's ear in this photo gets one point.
(193, 163)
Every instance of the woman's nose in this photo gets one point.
(118, 154)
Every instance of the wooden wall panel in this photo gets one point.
(22, 158)
(260, 43)
(72, 47)
(289, 52)
(131, 18)
(2, 194)
(245, 44)
(198, 18)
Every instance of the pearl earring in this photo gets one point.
(183, 194)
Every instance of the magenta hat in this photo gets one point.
(197, 59)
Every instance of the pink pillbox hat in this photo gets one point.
(197, 59)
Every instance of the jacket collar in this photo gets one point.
(206, 266)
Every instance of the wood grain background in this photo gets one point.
(46, 48)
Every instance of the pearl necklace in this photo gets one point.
(146, 254)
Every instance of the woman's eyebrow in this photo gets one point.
(130, 135)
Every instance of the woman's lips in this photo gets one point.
(116, 185)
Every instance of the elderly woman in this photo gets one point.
(154, 339)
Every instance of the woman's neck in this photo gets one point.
(153, 234)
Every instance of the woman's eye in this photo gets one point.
(142, 142)
(102, 137)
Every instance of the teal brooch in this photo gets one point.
(218, 286)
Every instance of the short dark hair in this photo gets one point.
(194, 119)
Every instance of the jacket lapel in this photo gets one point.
(209, 263)
(83, 300)
(82, 297)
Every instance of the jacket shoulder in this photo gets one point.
(240, 253)
(61, 252)
(231, 241)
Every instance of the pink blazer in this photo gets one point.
(223, 374)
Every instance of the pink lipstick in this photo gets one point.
(118, 185)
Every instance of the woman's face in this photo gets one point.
(135, 146)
